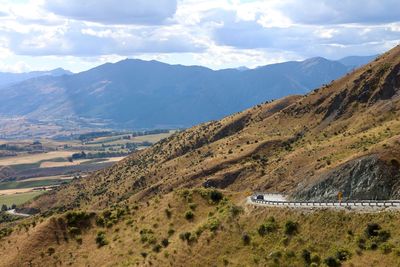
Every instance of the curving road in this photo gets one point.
(279, 200)
(13, 212)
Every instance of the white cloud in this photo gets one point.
(115, 12)
(16, 67)
(339, 12)
(215, 33)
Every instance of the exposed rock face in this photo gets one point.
(367, 177)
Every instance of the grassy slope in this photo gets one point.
(274, 146)
(322, 233)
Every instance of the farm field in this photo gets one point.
(34, 166)
(35, 158)
(19, 198)
(30, 184)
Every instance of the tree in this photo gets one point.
(4, 207)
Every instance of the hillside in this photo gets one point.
(152, 208)
(150, 94)
(285, 145)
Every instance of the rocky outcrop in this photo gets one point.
(367, 177)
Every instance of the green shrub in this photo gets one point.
(6, 217)
(78, 219)
(361, 242)
(213, 195)
(171, 232)
(235, 210)
(268, 227)
(165, 242)
(5, 232)
(188, 237)
(74, 231)
(157, 248)
(315, 259)
(184, 236)
(189, 215)
(51, 251)
(343, 255)
(383, 236)
(168, 213)
(373, 245)
(386, 248)
(291, 228)
(213, 224)
(246, 239)
(216, 196)
(373, 237)
(147, 236)
(372, 230)
(101, 239)
(144, 254)
(110, 217)
(332, 262)
(79, 240)
(306, 255)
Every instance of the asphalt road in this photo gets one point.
(278, 200)
(13, 212)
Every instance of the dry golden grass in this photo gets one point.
(274, 146)
(15, 191)
(33, 158)
(323, 233)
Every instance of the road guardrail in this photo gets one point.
(347, 203)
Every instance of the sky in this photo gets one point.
(81, 34)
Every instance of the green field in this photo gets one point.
(18, 199)
(30, 184)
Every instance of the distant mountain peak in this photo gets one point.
(315, 60)
(242, 68)
(59, 72)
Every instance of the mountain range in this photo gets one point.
(183, 201)
(149, 94)
(7, 78)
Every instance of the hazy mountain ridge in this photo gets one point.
(151, 94)
(7, 78)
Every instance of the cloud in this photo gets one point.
(214, 33)
(16, 67)
(339, 12)
(150, 12)
(78, 39)
(302, 39)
